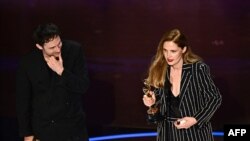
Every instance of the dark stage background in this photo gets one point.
(120, 37)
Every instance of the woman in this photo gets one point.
(184, 91)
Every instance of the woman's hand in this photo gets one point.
(149, 99)
(185, 123)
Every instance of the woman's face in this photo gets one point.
(173, 53)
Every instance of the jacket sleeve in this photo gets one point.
(210, 94)
(23, 101)
(76, 79)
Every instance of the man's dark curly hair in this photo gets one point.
(45, 33)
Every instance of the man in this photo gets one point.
(50, 82)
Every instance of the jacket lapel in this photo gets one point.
(43, 71)
(185, 79)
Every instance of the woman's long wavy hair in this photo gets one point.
(158, 68)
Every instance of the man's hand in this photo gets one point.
(55, 65)
(29, 138)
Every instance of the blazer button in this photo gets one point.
(52, 121)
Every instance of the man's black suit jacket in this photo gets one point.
(48, 105)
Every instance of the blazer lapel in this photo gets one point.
(185, 79)
(43, 71)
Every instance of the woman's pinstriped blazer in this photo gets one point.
(199, 98)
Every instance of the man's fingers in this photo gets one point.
(60, 57)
